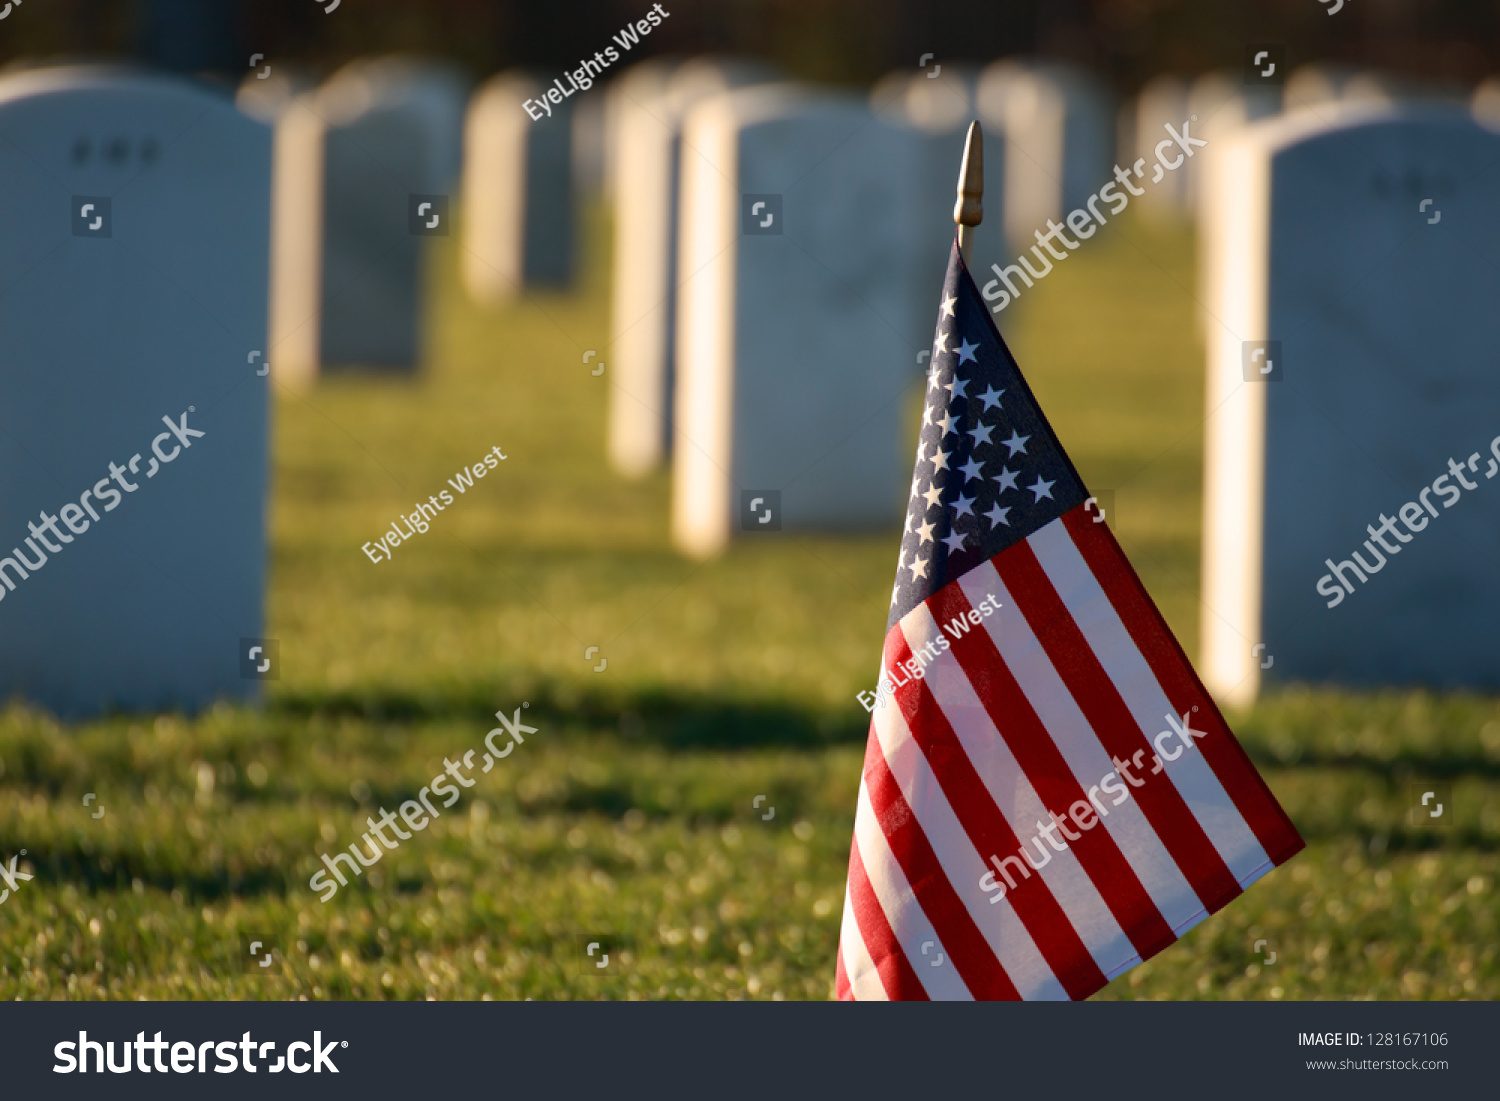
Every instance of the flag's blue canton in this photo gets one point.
(989, 468)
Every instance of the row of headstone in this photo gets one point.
(823, 284)
(1056, 124)
(366, 167)
(1312, 357)
(133, 462)
(1326, 84)
(939, 107)
(1348, 384)
(192, 250)
(1218, 103)
(1213, 106)
(1352, 400)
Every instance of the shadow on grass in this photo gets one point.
(1399, 768)
(118, 873)
(656, 716)
(676, 719)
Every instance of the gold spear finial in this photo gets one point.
(968, 210)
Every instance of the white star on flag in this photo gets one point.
(997, 515)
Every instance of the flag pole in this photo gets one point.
(968, 210)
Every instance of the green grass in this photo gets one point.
(630, 813)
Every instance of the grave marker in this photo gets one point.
(132, 551)
(1162, 102)
(518, 191)
(347, 286)
(1353, 237)
(794, 349)
(651, 100)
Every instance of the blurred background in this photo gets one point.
(728, 681)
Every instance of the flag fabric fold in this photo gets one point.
(1049, 795)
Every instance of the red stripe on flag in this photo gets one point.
(1154, 639)
(965, 944)
(1114, 725)
(1049, 775)
(896, 974)
(989, 832)
(843, 990)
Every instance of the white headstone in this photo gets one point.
(794, 348)
(133, 250)
(1059, 140)
(1162, 102)
(628, 85)
(1485, 103)
(1218, 104)
(353, 162)
(1223, 104)
(518, 190)
(1356, 238)
(652, 100)
(297, 242)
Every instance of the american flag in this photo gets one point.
(1049, 794)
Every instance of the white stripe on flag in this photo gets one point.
(1013, 794)
(963, 866)
(1080, 747)
(1145, 698)
(859, 968)
(907, 919)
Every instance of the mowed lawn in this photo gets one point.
(633, 816)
